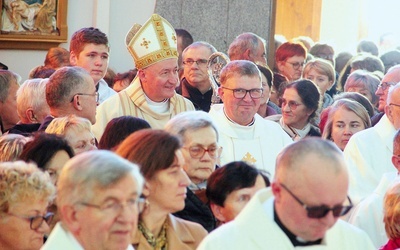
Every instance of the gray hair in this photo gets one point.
(363, 78)
(6, 78)
(241, 68)
(189, 121)
(198, 45)
(31, 94)
(63, 84)
(85, 173)
(348, 105)
(11, 146)
(242, 43)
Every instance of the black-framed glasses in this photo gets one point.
(36, 221)
(95, 95)
(296, 65)
(292, 104)
(241, 93)
(200, 62)
(114, 208)
(385, 85)
(197, 152)
(318, 212)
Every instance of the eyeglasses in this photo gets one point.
(318, 212)
(385, 85)
(394, 104)
(241, 93)
(292, 104)
(114, 208)
(95, 94)
(296, 65)
(200, 62)
(197, 152)
(36, 221)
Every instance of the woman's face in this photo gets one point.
(56, 163)
(362, 90)
(80, 140)
(292, 67)
(167, 189)
(294, 113)
(15, 232)
(267, 91)
(321, 80)
(345, 123)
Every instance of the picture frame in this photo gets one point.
(33, 24)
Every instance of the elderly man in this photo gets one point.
(368, 153)
(90, 50)
(151, 96)
(32, 107)
(244, 135)
(200, 151)
(98, 201)
(195, 84)
(368, 214)
(9, 84)
(70, 90)
(248, 46)
(301, 209)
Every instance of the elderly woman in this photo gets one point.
(201, 152)
(365, 83)
(50, 152)
(300, 103)
(346, 117)
(322, 73)
(289, 60)
(391, 207)
(76, 130)
(160, 158)
(11, 146)
(25, 193)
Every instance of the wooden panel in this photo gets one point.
(298, 18)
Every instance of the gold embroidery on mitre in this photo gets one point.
(249, 158)
(156, 25)
(145, 43)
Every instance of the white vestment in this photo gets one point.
(368, 156)
(132, 101)
(254, 228)
(62, 239)
(105, 91)
(258, 144)
(368, 214)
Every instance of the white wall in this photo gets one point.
(113, 17)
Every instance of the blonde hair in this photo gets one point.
(23, 182)
(11, 146)
(391, 217)
(322, 66)
(59, 125)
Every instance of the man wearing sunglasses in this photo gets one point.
(302, 207)
(245, 135)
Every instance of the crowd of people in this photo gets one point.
(303, 154)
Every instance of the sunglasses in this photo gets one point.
(318, 212)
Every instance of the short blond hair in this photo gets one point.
(59, 125)
(23, 182)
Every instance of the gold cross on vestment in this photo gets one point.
(249, 158)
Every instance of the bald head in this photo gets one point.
(292, 163)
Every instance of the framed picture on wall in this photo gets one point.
(33, 24)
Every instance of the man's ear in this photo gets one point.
(388, 112)
(221, 93)
(70, 217)
(142, 74)
(218, 212)
(396, 162)
(247, 55)
(30, 115)
(76, 103)
(276, 190)
(73, 59)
